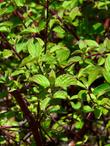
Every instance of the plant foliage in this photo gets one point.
(55, 72)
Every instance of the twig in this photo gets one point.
(69, 28)
(10, 46)
(47, 21)
(96, 102)
(33, 124)
(8, 127)
(48, 135)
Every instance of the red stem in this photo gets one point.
(33, 124)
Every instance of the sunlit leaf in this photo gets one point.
(19, 2)
(6, 53)
(60, 95)
(79, 124)
(35, 49)
(102, 89)
(107, 64)
(87, 109)
(17, 72)
(76, 106)
(44, 103)
(75, 12)
(27, 60)
(41, 80)
(65, 80)
(62, 55)
(4, 29)
(91, 43)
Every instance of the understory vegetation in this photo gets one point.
(55, 72)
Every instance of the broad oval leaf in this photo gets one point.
(65, 80)
(41, 80)
(79, 124)
(106, 75)
(107, 63)
(29, 30)
(60, 94)
(18, 72)
(62, 55)
(87, 109)
(44, 103)
(6, 53)
(74, 59)
(91, 43)
(27, 60)
(74, 13)
(21, 47)
(82, 44)
(102, 89)
(35, 49)
(4, 29)
(76, 106)
(66, 4)
(92, 72)
(19, 3)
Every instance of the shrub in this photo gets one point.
(55, 72)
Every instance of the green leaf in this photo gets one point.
(60, 95)
(92, 72)
(91, 43)
(6, 53)
(55, 47)
(6, 24)
(52, 77)
(41, 80)
(74, 59)
(52, 22)
(93, 75)
(40, 41)
(21, 47)
(97, 113)
(101, 61)
(60, 32)
(29, 30)
(17, 72)
(102, 89)
(87, 109)
(65, 80)
(98, 28)
(4, 29)
(107, 64)
(75, 12)
(54, 109)
(82, 44)
(104, 101)
(20, 3)
(106, 75)
(62, 55)
(49, 59)
(78, 83)
(79, 124)
(31, 48)
(107, 43)
(35, 50)
(10, 9)
(27, 60)
(44, 103)
(66, 3)
(74, 97)
(107, 145)
(76, 106)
